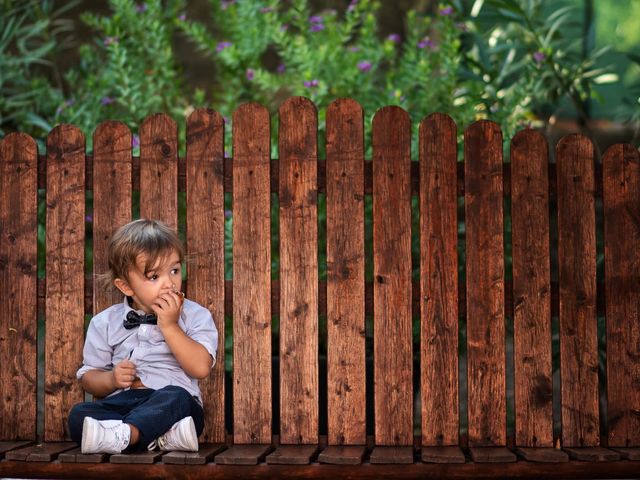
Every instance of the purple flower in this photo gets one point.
(364, 66)
(311, 83)
(135, 140)
(228, 213)
(141, 7)
(539, 57)
(222, 45)
(315, 19)
(106, 100)
(446, 11)
(250, 74)
(426, 42)
(182, 17)
(88, 218)
(317, 27)
(281, 68)
(110, 41)
(354, 49)
(316, 23)
(266, 10)
(69, 102)
(352, 5)
(394, 37)
(225, 4)
(284, 27)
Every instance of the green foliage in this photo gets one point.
(29, 33)
(129, 70)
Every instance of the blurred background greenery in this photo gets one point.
(562, 65)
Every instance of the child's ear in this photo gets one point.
(123, 286)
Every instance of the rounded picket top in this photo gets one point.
(391, 113)
(17, 142)
(621, 151)
(252, 128)
(202, 117)
(527, 139)
(574, 140)
(158, 122)
(111, 131)
(298, 104)
(345, 106)
(438, 121)
(250, 109)
(65, 138)
(483, 128)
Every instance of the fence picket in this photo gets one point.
(621, 197)
(439, 281)
(298, 154)
(18, 278)
(531, 290)
(485, 285)
(393, 358)
(65, 235)
(577, 279)
(159, 169)
(345, 274)
(205, 244)
(252, 276)
(112, 179)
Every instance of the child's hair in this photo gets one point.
(150, 237)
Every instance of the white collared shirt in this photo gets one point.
(107, 343)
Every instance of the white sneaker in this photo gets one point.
(180, 437)
(104, 436)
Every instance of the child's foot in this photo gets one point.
(180, 437)
(104, 436)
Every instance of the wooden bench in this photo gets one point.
(386, 364)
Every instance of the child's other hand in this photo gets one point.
(167, 308)
(124, 374)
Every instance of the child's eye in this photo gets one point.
(153, 277)
(175, 271)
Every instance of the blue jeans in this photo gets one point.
(153, 412)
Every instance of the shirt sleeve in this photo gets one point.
(97, 354)
(202, 329)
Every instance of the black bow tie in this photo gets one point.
(134, 319)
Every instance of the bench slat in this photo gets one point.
(449, 454)
(531, 290)
(112, 167)
(542, 454)
(204, 455)
(65, 235)
(76, 456)
(18, 280)
(205, 244)
(43, 452)
(593, 454)
(252, 277)
(346, 370)
(342, 455)
(492, 455)
(159, 169)
(485, 284)
(292, 455)
(621, 197)
(391, 455)
(439, 281)
(393, 361)
(243, 454)
(298, 272)
(137, 457)
(577, 279)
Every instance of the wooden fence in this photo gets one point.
(572, 186)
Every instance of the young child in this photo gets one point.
(142, 357)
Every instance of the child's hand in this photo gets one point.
(167, 308)
(123, 374)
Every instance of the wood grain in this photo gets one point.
(345, 274)
(65, 238)
(252, 276)
(112, 165)
(298, 152)
(621, 197)
(159, 169)
(393, 362)
(18, 278)
(531, 290)
(485, 285)
(577, 279)
(439, 281)
(205, 247)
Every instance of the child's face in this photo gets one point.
(164, 276)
